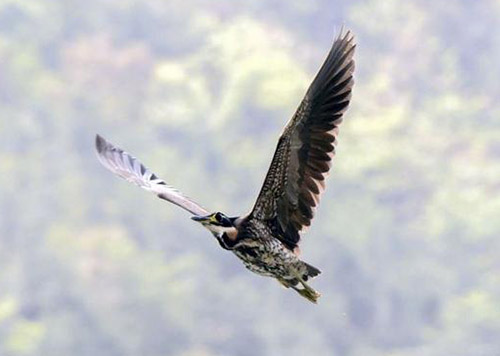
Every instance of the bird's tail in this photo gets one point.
(312, 271)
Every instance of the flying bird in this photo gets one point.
(267, 238)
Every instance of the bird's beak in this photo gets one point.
(202, 219)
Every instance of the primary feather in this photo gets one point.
(129, 168)
(302, 160)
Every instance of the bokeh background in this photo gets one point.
(407, 235)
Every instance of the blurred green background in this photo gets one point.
(407, 235)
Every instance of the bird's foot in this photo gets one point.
(308, 293)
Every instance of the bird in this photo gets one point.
(267, 238)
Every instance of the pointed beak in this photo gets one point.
(201, 219)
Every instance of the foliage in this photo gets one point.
(407, 233)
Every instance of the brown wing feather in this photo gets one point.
(302, 160)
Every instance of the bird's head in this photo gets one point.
(217, 223)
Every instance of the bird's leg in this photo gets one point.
(307, 292)
(283, 282)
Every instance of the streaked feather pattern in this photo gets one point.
(302, 160)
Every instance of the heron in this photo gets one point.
(267, 238)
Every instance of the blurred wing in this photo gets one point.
(129, 168)
(296, 177)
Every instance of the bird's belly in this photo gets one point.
(269, 259)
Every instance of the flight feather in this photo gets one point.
(302, 160)
(131, 169)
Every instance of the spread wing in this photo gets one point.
(296, 177)
(129, 168)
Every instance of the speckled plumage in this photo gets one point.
(266, 240)
(263, 254)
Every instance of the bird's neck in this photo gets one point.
(227, 239)
(231, 234)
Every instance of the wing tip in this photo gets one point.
(100, 143)
(345, 35)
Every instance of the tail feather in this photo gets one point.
(312, 271)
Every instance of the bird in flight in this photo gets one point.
(267, 239)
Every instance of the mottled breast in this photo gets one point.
(267, 257)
